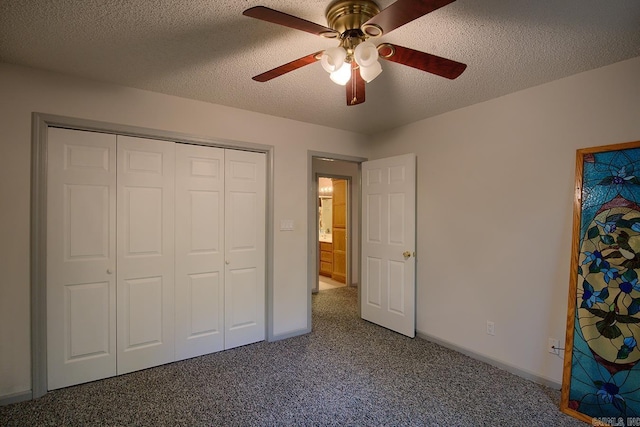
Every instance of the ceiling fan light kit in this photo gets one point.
(366, 54)
(356, 59)
(371, 72)
(333, 58)
(342, 75)
(337, 61)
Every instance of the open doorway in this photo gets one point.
(333, 232)
(333, 166)
(346, 168)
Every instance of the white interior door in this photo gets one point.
(199, 250)
(388, 243)
(245, 193)
(145, 236)
(81, 257)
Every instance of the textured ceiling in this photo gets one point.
(207, 50)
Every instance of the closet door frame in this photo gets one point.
(40, 123)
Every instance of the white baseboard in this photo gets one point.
(16, 397)
(498, 364)
(290, 334)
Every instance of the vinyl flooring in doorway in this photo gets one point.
(327, 283)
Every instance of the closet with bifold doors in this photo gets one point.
(155, 253)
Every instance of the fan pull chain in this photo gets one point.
(354, 86)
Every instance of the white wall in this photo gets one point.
(25, 90)
(495, 194)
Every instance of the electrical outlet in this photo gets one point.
(491, 328)
(553, 346)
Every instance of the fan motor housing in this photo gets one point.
(345, 15)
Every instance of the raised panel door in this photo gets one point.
(244, 288)
(199, 250)
(339, 272)
(81, 257)
(388, 243)
(145, 237)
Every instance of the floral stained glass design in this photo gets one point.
(605, 373)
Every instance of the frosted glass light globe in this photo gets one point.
(366, 54)
(371, 72)
(342, 75)
(332, 59)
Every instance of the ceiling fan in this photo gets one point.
(355, 61)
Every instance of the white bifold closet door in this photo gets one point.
(81, 257)
(220, 249)
(245, 193)
(155, 253)
(145, 262)
(199, 250)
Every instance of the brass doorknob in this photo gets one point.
(406, 254)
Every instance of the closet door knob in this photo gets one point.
(109, 271)
(226, 262)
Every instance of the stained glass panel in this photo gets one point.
(601, 382)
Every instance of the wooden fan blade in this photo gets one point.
(289, 66)
(402, 12)
(281, 18)
(355, 86)
(422, 61)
